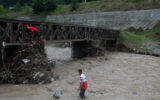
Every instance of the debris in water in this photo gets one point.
(30, 65)
(25, 61)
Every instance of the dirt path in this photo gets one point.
(117, 76)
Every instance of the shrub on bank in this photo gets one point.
(74, 5)
(139, 41)
(2, 10)
(43, 5)
(135, 1)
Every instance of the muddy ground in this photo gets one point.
(115, 76)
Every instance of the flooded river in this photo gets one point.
(115, 76)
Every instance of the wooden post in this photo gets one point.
(3, 56)
(117, 42)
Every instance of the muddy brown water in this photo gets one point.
(115, 76)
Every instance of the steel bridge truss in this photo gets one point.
(13, 32)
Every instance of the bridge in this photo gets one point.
(13, 33)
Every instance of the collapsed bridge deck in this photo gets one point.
(13, 32)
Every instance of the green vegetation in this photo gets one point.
(137, 41)
(48, 21)
(2, 10)
(12, 3)
(135, 1)
(49, 7)
(17, 7)
(38, 6)
(109, 5)
(43, 5)
(22, 11)
(74, 5)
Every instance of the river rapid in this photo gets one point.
(115, 76)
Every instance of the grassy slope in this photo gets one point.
(22, 11)
(107, 5)
(136, 41)
(94, 6)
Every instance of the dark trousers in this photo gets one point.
(82, 93)
(35, 36)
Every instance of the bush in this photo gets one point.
(43, 5)
(27, 9)
(157, 26)
(50, 5)
(48, 21)
(74, 5)
(38, 6)
(2, 10)
(135, 1)
(131, 29)
(17, 7)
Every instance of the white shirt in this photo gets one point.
(83, 78)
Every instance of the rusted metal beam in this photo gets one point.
(16, 44)
(73, 40)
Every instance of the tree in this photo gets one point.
(24, 2)
(11, 3)
(38, 6)
(2, 10)
(43, 5)
(68, 1)
(17, 7)
(50, 5)
(74, 5)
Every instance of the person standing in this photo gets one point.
(83, 84)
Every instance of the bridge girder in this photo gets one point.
(13, 32)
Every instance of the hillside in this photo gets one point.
(94, 6)
(139, 41)
(109, 5)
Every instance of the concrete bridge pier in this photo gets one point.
(110, 45)
(80, 49)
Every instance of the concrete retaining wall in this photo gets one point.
(110, 20)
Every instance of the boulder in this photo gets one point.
(57, 94)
